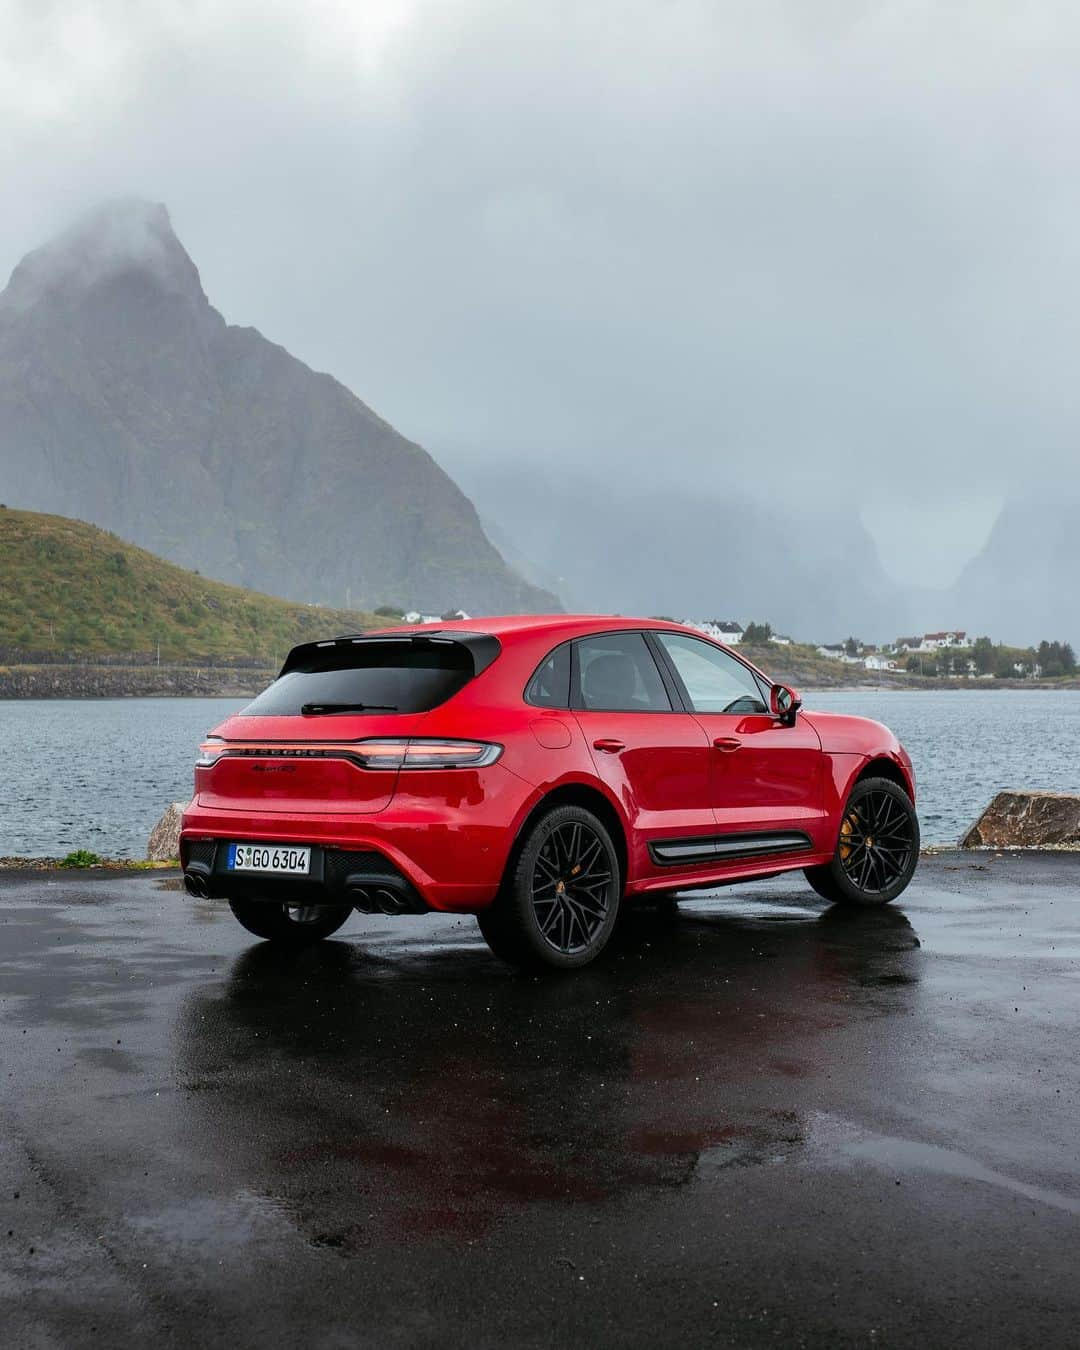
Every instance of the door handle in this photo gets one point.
(727, 743)
(608, 745)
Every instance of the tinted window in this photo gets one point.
(550, 686)
(616, 672)
(402, 676)
(715, 681)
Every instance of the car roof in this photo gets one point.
(556, 628)
(555, 625)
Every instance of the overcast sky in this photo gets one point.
(825, 245)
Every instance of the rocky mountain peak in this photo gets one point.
(127, 401)
(124, 237)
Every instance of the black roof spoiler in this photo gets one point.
(483, 647)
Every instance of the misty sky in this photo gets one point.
(824, 246)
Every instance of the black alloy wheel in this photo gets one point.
(877, 850)
(560, 901)
(875, 842)
(295, 925)
(571, 885)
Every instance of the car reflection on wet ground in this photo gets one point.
(755, 1121)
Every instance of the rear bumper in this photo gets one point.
(444, 859)
(364, 879)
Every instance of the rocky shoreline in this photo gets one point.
(1027, 819)
(91, 681)
(18, 864)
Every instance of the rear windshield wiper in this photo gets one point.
(314, 709)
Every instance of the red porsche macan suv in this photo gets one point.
(539, 773)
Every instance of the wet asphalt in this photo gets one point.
(755, 1122)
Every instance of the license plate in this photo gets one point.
(269, 858)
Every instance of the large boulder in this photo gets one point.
(1027, 820)
(164, 844)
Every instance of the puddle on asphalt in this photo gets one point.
(841, 1139)
(219, 1222)
(743, 908)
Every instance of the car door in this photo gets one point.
(766, 778)
(653, 755)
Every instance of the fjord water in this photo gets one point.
(968, 744)
(96, 774)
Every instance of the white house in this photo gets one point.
(934, 642)
(726, 631)
(414, 616)
(836, 651)
(878, 662)
(781, 640)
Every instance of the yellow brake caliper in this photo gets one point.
(846, 843)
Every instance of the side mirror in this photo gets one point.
(785, 704)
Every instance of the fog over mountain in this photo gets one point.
(126, 400)
(603, 542)
(803, 261)
(1023, 583)
(606, 544)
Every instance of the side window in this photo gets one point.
(616, 672)
(550, 686)
(715, 681)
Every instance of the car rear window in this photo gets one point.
(393, 676)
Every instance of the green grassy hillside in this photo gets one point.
(67, 587)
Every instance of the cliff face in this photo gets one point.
(1022, 586)
(126, 400)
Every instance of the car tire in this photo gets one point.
(877, 849)
(295, 925)
(559, 901)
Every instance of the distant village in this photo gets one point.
(890, 655)
(950, 653)
(852, 652)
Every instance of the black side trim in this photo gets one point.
(724, 847)
(672, 851)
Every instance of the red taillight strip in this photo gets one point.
(208, 759)
(371, 753)
(289, 749)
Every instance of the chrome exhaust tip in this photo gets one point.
(195, 884)
(361, 900)
(387, 901)
(372, 893)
